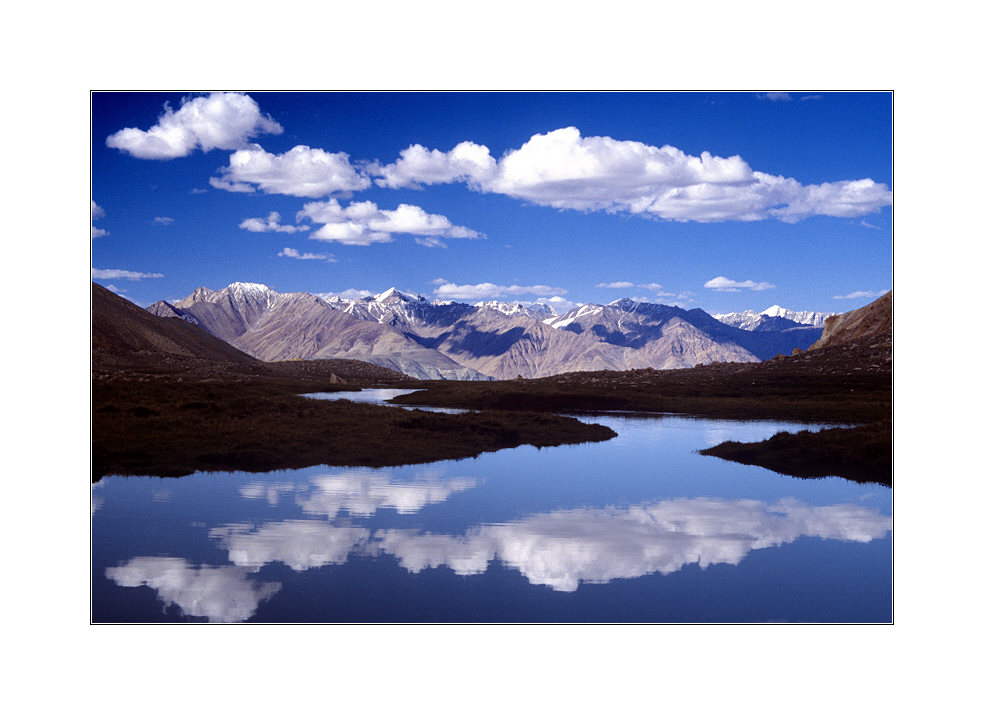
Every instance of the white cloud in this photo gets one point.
(565, 170)
(163, 220)
(776, 96)
(302, 171)
(469, 162)
(96, 212)
(726, 284)
(630, 284)
(270, 223)
(862, 294)
(288, 252)
(118, 273)
(363, 223)
(222, 120)
(431, 242)
(483, 291)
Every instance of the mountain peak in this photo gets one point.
(393, 295)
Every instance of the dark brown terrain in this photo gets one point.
(169, 399)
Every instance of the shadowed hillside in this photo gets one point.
(169, 399)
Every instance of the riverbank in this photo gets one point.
(154, 425)
(861, 454)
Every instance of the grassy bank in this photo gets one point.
(162, 426)
(862, 454)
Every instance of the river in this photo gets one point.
(640, 528)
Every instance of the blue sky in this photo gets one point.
(723, 201)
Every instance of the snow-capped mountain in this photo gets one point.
(536, 311)
(493, 339)
(673, 337)
(773, 318)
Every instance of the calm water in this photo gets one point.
(638, 529)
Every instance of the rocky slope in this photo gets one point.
(450, 340)
(125, 333)
(275, 326)
(873, 320)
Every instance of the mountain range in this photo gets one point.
(491, 340)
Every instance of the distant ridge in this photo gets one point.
(459, 341)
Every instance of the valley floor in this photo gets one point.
(172, 423)
(170, 419)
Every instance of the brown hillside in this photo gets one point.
(123, 332)
(869, 321)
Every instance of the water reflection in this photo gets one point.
(564, 548)
(299, 544)
(221, 594)
(363, 492)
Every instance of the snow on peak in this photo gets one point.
(393, 295)
(536, 311)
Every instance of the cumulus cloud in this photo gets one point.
(120, 274)
(302, 171)
(565, 170)
(221, 594)
(468, 162)
(163, 220)
(862, 294)
(289, 252)
(222, 120)
(484, 291)
(726, 284)
(270, 223)
(96, 213)
(363, 223)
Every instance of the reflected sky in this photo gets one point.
(509, 527)
(220, 594)
(564, 548)
(361, 492)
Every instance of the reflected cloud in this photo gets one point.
(299, 544)
(222, 594)
(564, 548)
(95, 500)
(269, 492)
(363, 492)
